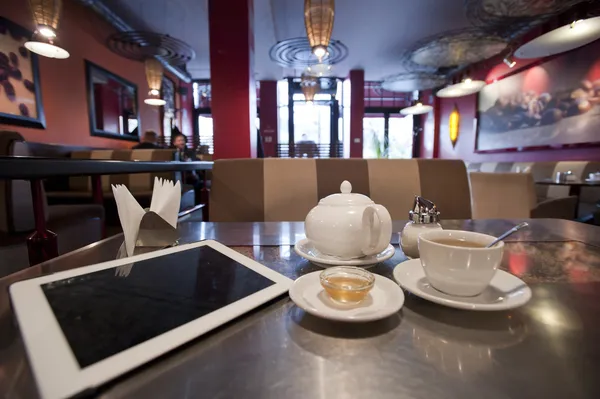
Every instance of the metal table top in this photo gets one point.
(548, 348)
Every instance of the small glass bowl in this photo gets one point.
(347, 285)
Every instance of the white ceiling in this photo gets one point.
(375, 31)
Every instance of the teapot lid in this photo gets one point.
(346, 197)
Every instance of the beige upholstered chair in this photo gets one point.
(246, 190)
(547, 170)
(513, 196)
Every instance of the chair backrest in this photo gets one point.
(275, 189)
(16, 204)
(135, 181)
(546, 170)
(502, 195)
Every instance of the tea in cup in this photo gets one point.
(457, 262)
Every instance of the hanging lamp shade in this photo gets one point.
(154, 73)
(309, 86)
(576, 34)
(417, 109)
(46, 16)
(318, 19)
(464, 88)
(318, 70)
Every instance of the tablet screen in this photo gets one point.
(111, 310)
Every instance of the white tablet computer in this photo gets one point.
(86, 326)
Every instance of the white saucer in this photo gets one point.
(385, 299)
(306, 249)
(592, 180)
(505, 291)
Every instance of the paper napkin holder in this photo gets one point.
(154, 233)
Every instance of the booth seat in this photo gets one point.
(256, 190)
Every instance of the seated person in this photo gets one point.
(178, 143)
(148, 141)
(306, 147)
(184, 154)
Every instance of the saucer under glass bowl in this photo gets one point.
(307, 250)
(384, 300)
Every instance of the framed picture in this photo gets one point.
(20, 94)
(555, 104)
(113, 104)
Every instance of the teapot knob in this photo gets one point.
(346, 187)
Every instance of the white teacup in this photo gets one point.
(458, 270)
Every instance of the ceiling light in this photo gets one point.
(572, 26)
(46, 14)
(509, 61)
(318, 70)
(568, 37)
(309, 86)
(464, 88)
(417, 109)
(47, 31)
(318, 20)
(154, 73)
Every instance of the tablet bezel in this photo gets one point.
(54, 365)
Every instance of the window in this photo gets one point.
(282, 111)
(400, 136)
(205, 128)
(374, 137)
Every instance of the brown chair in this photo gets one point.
(272, 189)
(513, 196)
(76, 225)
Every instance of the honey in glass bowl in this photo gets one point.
(347, 285)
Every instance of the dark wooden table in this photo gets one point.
(574, 188)
(547, 349)
(42, 245)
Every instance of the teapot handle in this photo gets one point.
(376, 228)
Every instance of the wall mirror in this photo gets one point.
(113, 104)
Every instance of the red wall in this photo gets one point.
(63, 83)
(465, 147)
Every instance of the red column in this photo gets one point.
(268, 116)
(233, 90)
(357, 112)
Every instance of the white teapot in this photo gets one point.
(348, 225)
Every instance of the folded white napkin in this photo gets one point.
(166, 198)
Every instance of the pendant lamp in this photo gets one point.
(154, 73)
(576, 34)
(318, 70)
(416, 109)
(46, 16)
(464, 88)
(309, 86)
(318, 20)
